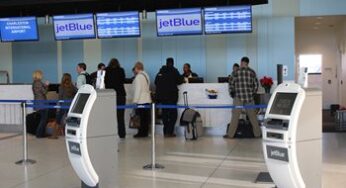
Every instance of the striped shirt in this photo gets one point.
(244, 84)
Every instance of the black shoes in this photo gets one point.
(170, 135)
(140, 136)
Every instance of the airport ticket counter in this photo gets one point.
(91, 137)
(292, 137)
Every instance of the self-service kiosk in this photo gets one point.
(91, 137)
(292, 137)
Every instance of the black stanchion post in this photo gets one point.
(153, 164)
(25, 160)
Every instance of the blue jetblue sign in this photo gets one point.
(119, 24)
(179, 22)
(74, 26)
(18, 29)
(236, 19)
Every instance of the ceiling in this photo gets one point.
(53, 7)
(319, 22)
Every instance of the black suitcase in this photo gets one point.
(32, 122)
(192, 122)
(244, 129)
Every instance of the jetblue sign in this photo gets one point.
(74, 27)
(74, 148)
(277, 153)
(178, 22)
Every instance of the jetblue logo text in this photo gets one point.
(177, 22)
(74, 27)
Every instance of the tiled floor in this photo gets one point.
(208, 163)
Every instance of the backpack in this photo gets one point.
(88, 78)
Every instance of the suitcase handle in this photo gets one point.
(186, 103)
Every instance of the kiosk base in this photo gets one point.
(264, 177)
(87, 186)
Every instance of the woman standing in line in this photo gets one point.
(66, 92)
(115, 79)
(40, 90)
(142, 96)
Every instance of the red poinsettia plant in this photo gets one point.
(266, 83)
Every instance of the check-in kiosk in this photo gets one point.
(292, 137)
(91, 137)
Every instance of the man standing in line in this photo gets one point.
(167, 81)
(244, 86)
(97, 76)
(83, 76)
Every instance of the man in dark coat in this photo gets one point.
(167, 81)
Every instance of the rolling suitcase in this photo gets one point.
(192, 122)
(32, 121)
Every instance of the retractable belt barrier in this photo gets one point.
(47, 104)
(65, 104)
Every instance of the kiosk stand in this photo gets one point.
(292, 137)
(91, 137)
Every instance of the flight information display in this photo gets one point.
(79, 26)
(120, 24)
(179, 22)
(235, 19)
(18, 29)
(283, 103)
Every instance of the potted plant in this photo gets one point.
(266, 83)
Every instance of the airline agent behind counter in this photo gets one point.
(187, 73)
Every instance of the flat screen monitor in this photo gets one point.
(18, 29)
(223, 79)
(234, 19)
(179, 22)
(283, 103)
(118, 24)
(196, 80)
(79, 26)
(80, 103)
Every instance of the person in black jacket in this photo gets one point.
(115, 79)
(167, 81)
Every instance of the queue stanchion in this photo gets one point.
(25, 160)
(153, 165)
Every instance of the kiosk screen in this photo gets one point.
(283, 103)
(79, 105)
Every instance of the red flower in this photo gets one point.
(266, 82)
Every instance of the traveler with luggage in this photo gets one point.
(167, 81)
(40, 90)
(244, 85)
(142, 96)
(115, 79)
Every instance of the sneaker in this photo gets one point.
(227, 137)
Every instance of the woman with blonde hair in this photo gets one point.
(141, 87)
(40, 90)
(66, 92)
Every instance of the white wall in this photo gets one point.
(322, 41)
(6, 58)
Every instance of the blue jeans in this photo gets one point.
(41, 129)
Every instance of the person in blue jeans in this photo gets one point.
(40, 90)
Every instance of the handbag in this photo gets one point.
(135, 120)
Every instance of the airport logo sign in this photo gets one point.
(171, 22)
(69, 28)
(74, 148)
(277, 153)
